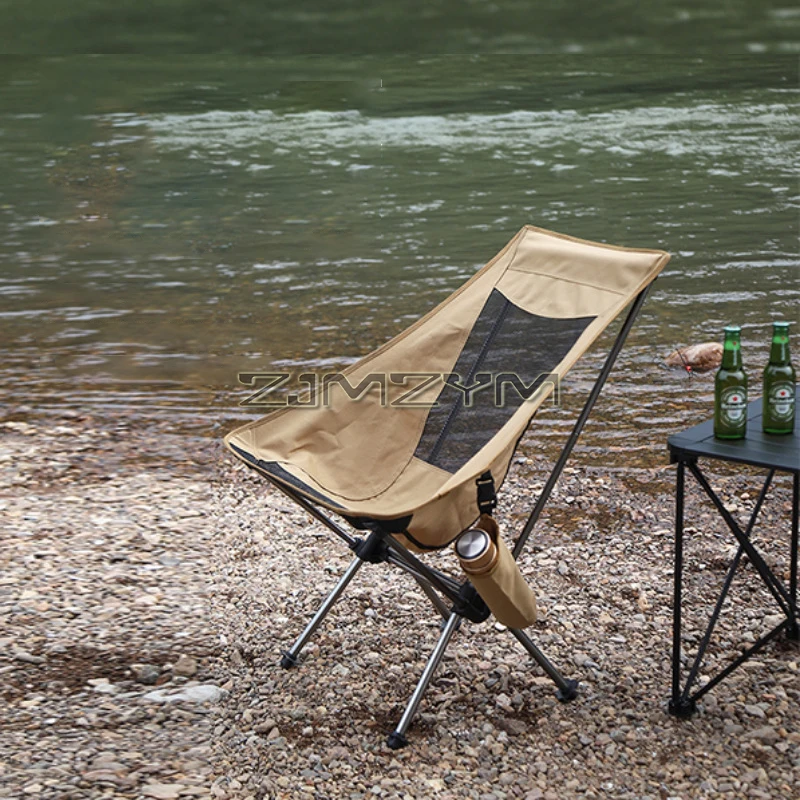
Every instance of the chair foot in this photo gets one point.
(288, 660)
(396, 741)
(568, 692)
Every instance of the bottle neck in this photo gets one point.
(779, 352)
(731, 352)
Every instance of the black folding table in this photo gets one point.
(775, 454)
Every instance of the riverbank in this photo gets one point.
(149, 585)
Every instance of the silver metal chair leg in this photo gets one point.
(289, 658)
(567, 689)
(397, 738)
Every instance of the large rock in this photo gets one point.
(697, 357)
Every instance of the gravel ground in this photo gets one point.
(150, 583)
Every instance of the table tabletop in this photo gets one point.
(757, 448)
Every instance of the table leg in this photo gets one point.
(683, 702)
(679, 705)
(794, 629)
(775, 587)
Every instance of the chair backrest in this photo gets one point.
(514, 328)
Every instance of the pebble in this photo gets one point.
(105, 584)
(28, 658)
(200, 693)
(185, 666)
(766, 734)
(755, 711)
(514, 727)
(163, 791)
(146, 674)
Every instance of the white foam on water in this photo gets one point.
(760, 131)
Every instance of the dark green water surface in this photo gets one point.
(169, 222)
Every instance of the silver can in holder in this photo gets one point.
(495, 574)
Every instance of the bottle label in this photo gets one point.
(733, 405)
(781, 400)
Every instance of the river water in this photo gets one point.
(168, 223)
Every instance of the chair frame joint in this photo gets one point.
(470, 604)
(373, 549)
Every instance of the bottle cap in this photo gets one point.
(472, 544)
(476, 551)
(733, 329)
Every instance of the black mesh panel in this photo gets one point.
(509, 354)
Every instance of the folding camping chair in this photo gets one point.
(411, 444)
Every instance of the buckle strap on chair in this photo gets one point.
(487, 498)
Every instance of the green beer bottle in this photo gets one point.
(730, 389)
(779, 379)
